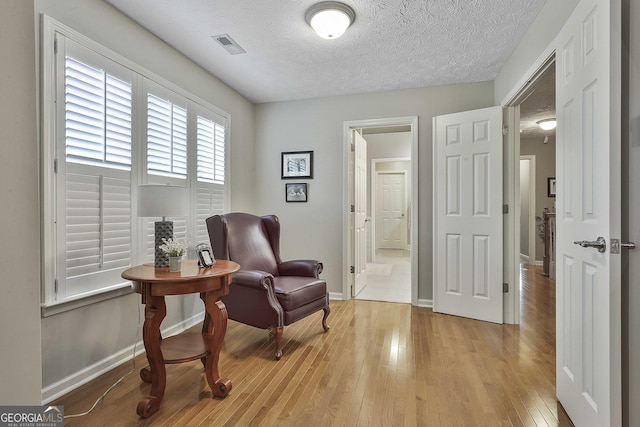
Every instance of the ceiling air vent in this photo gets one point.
(229, 44)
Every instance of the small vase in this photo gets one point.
(175, 263)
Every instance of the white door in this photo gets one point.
(360, 210)
(391, 206)
(588, 302)
(468, 214)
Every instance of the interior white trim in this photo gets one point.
(348, 126)
(512, 170)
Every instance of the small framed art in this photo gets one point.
(205, 255)
(297, 164)
(551, 186)
(296, 192)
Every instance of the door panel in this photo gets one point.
(391, 220)
(588, 206)
(360, 207)
(468, 214)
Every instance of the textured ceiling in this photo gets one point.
(393, 44)
(540, 104)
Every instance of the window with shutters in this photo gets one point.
(110, 126)
(94, 203)
(166, 137)
(210, 179)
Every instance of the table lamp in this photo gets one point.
(162, 201)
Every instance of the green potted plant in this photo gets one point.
(175, 250)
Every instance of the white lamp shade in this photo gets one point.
(162, 201)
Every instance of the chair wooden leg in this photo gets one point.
(277, 334)
(327, 311)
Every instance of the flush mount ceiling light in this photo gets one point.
(330, 19)
(547, 124)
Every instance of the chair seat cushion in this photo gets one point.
(294, 292)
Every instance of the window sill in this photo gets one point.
(57, 307)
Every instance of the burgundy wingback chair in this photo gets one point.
(266, 292)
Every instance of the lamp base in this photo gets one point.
(164, 230)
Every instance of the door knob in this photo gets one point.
(599, 244)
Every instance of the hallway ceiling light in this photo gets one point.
(547, 124)
(330, 19)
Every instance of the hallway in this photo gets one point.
(388, 277)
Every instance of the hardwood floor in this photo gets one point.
(382, 364)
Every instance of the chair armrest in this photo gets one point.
(301, 267)
(253, 279)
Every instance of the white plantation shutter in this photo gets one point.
(94, 182)
(166, 138)
(210, 136)
(97, 231)
(97, 117)
(210, 189)
(100, 150)
(209, 201)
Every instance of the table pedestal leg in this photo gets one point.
(155, 311)
(213, 331)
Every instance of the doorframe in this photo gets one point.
(532, 204)
(347, 237)
(511, 104)
(374, 176)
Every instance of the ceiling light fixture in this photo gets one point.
(330, 19)
(547, 124)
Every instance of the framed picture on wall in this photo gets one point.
(551, 186)
(296, 192)
(297, 164)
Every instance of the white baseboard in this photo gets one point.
(336, 296)
(73, 381)
(427, 303)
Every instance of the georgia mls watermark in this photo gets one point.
(31, 416)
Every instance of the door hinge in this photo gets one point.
(352, 269)
(353, 147)
(55, 286)
(55, 45)
(55, 165)
(505, 209)
(505, 288)
(505, 130)
(353, 208)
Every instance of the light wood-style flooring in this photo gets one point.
(382, 364)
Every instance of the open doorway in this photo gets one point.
(387, 275)
(533, 102)
(538, 157)
(381, 237)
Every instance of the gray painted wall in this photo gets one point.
(20, 376)
(317, 124)
(545, 167)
